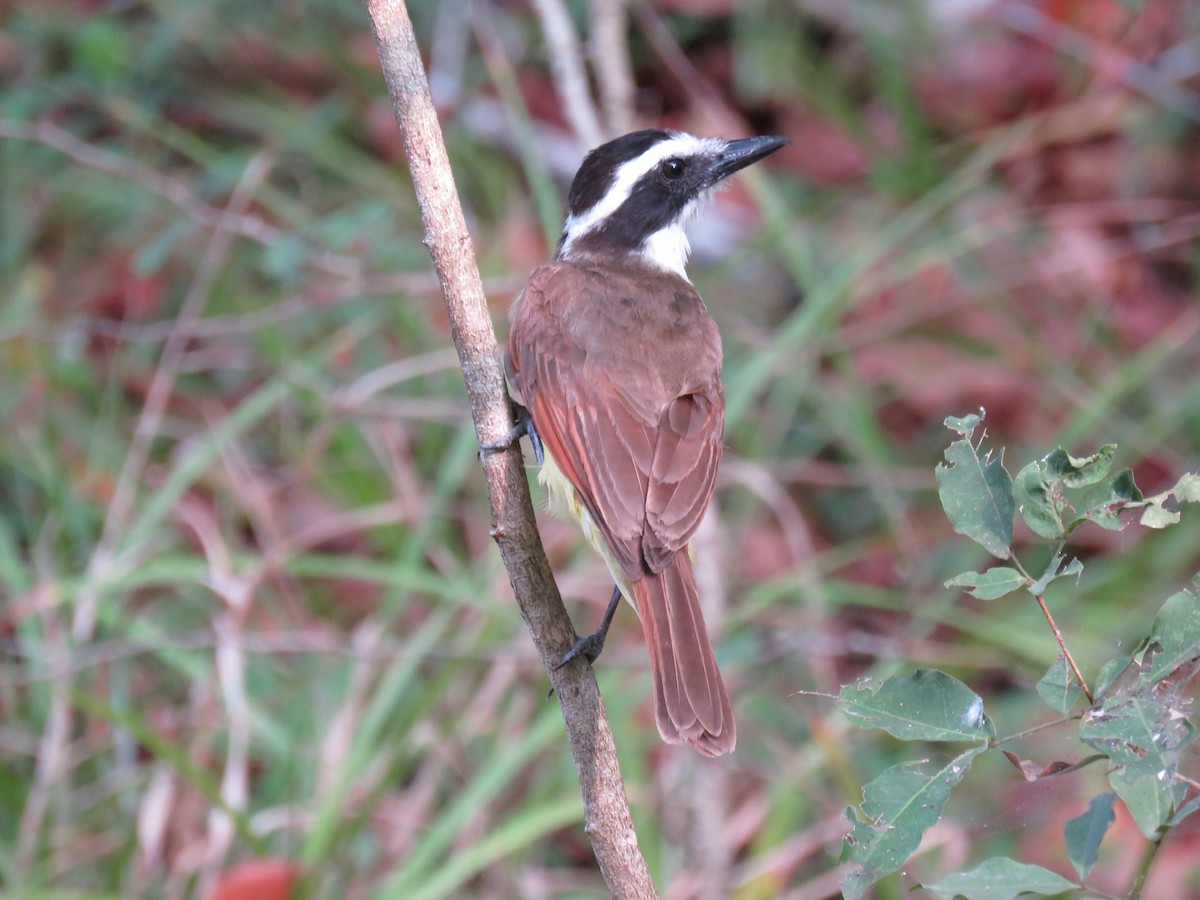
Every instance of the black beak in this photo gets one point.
(739, 154)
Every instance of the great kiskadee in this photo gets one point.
(616, 366)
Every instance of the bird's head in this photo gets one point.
(632, 196)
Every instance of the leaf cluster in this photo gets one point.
(1136, 720)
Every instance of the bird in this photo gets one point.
(613, 364)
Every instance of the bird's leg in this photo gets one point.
(523, 427)
(590, 645)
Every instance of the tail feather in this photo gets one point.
(668, 699)
(689, 697)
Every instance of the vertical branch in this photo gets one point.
(1062, 645)
(606, 810)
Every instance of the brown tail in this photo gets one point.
(689, 699)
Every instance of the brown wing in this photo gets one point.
(684, 472)
(629, 407)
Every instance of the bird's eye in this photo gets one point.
(672, 169)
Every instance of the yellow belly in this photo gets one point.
(564, 500)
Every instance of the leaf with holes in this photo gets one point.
(1143, 738)
(1176, 636)
(1059, 492)
(1077, 472)
(964, 425)
(897, 809)
(996, 582)
(1185, 490)
(1039, 500)
(1102, 503)
(977, 496)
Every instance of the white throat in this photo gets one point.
(668, 249)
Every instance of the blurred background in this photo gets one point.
(251, 610)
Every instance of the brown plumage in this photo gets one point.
(619, 367)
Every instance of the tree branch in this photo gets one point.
(606, 810)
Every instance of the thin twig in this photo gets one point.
(1058, 636)
(1035, 729)
(1062, 645)
(1143, 869)
(570, 76)
(1179, 776)
(606, 811)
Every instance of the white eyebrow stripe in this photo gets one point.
(628, 175)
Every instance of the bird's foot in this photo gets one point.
(590, 645)
(523, 427)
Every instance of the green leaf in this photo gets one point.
(964, 425)
(1158, 516)
(1103, 502)
(926, 706)
(1150, 799)
(1084, 833)
(1176, 631)
(1109, 672)
(1059, 687)
(1184, 811)
(1076, 472)
(1041, 490)
(898, 807)
(1038, 501)
(1055, 570)
(1143, 738)
(1000, 878)
(990, 585)
(1137, 733)
(1185, 490)
(977, 495)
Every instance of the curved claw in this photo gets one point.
(591, 645)
(523, 427)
